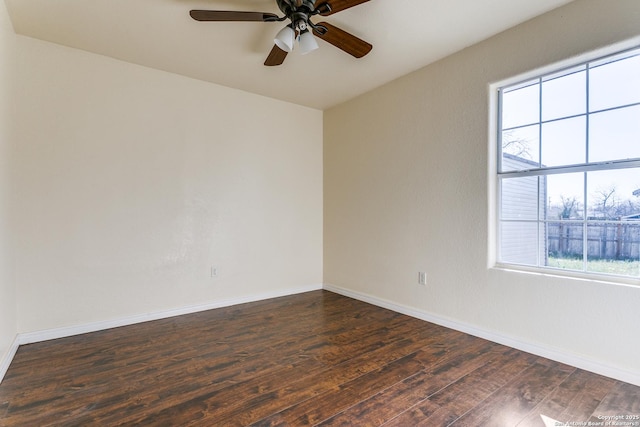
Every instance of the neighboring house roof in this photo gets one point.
(523, 160)
(634, 216)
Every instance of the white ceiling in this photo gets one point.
(406, 35)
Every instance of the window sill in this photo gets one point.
(568, 275)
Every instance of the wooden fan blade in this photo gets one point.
(337, 5)
(226, 15)
(343, 40)
(276, 57)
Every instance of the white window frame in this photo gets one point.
(495, 158)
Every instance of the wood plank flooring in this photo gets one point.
(316, 358)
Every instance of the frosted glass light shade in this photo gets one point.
(285, 38)
(307, 43)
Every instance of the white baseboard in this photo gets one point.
(539, 350)
(547, 352)
(50, 334)
(8, 357)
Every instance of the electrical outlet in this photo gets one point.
(422, 278)
(214, 271)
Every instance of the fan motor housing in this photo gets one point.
(288, 7)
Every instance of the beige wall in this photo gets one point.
(406, 190)
(7, 285)
(132, 183)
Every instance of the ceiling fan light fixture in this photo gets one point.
(307, 42)
(301, 28)
(285, 38)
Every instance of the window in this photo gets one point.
(568, 170)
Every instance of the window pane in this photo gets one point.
(520, 198)
(521, 148)
(615, 134)
(519, 242)
(564, 142)
(613, 248)
(564, 194)
(565, 245)
(614, 84)
(521, 106)
(564, 96)
(611, 194)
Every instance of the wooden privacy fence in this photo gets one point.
(605, 240)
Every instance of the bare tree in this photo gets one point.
(626, 208)
(569, 207)
(513, 145)
(606, 203)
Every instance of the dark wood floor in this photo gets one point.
(310, 359)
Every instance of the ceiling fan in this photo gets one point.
(299, 13)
